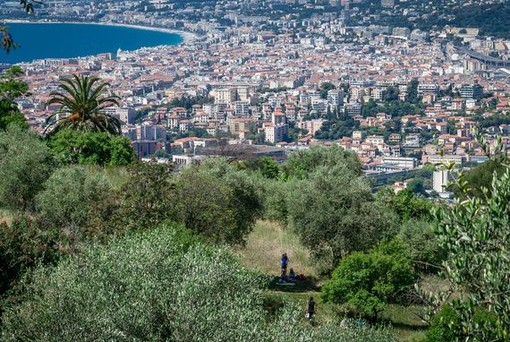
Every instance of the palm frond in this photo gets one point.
(81, 98)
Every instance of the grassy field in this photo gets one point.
(263, 250)
(267, 243)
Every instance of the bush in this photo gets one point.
(447, 324)
(367, 281)
(444, 325)
(68, 198)
(25, 163)
(75, 147)
(159, 285)
(423, 245)
(25, 243)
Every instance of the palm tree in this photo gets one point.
(81, 106)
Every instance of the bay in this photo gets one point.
(65, 40)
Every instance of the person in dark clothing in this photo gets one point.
(285, 262)
(310, 309)
(292, 275)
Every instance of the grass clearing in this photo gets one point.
(265, 246)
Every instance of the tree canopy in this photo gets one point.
(11, 88)
(99, 148)
(475, 233)
(158, 285)
(367, 281)
(218, 201)
(81, 100)
(25, 163)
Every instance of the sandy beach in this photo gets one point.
(186, 36)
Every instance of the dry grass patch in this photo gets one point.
(6, 216)
(265, 246)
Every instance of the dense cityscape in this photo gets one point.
(372, 129)
(301, 75)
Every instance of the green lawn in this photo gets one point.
(262, 252)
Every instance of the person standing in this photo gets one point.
(284, 262)
(310, 309)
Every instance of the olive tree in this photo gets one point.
(334, 213)
(218, 201)
(159, 285)
(475, 233)
(25, 164)
(69, 197)
(304, 162)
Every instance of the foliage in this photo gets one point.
(325, 87)
(406, 204)
(266, 166)
(475, 233)
(481, 176)
(276, 200)
(412, 91)
(75, 147)
(444, 325)
(302, 163)
(188, 102)
(416, 186)
(68, 197)
(10, 89)
(395, 108)
(367, 281)
(145, 200)
(337, 128)
(80, 103)
(25, 163)
(334, 213)
(423, 246)
(121, 151)
(25, 243)
(447, 325)
(218, 201)
(160, 285)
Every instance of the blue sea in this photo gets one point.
(38, 41)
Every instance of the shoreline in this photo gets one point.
(187, 37)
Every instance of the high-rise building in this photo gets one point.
(336, 97)
(471, 91)
(440, 180)
(225, 95)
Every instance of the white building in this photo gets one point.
(276, 133)
(225, 95)
(401, 162)
(440, 181)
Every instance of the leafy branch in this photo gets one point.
(8, 42)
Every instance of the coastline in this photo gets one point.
(187, 37)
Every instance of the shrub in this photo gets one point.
(367, 281)
(448, 325)
(75, 147)
(25, 163)
(159, 285)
